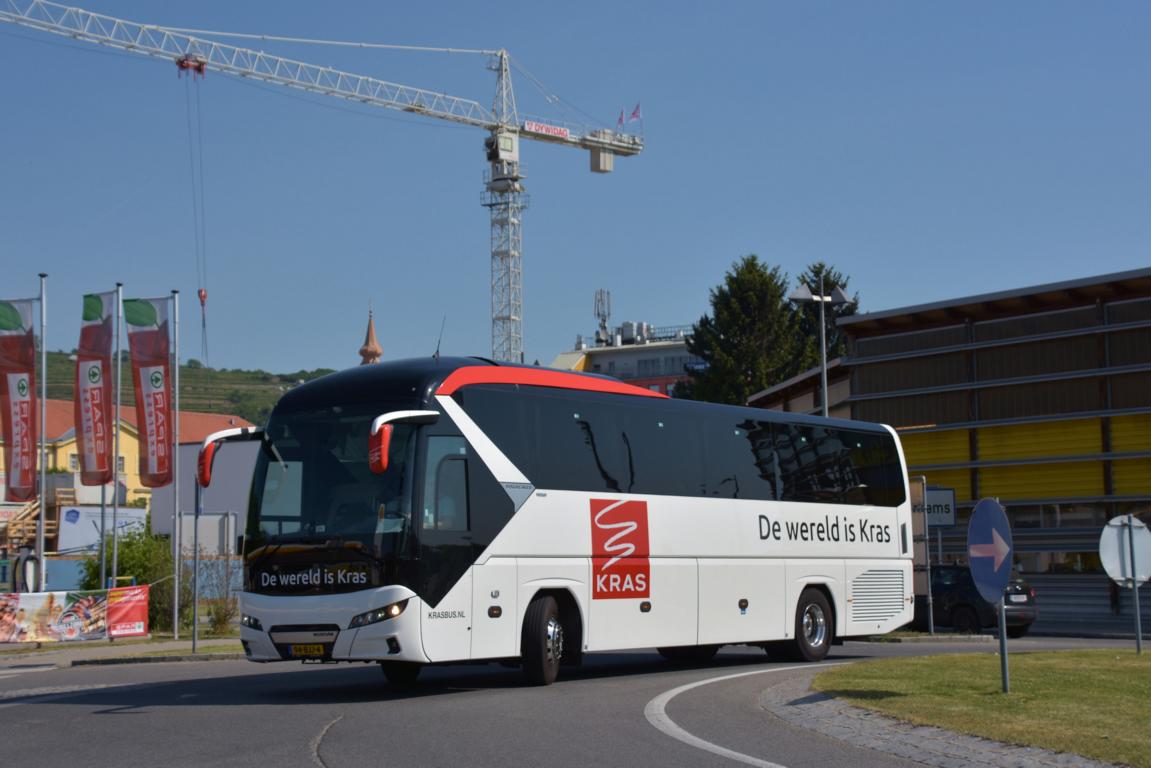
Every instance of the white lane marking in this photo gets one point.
(315, 745)
(656, 713)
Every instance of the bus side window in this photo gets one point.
(445, 485)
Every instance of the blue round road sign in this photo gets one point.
(989, 549)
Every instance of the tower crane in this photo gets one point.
(504, 193)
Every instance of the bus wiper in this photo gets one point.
(272, 451)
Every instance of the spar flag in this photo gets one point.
(18, 397)
(93, 401)
(147, 321)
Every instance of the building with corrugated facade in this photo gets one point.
(1039, 396)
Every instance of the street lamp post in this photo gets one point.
(835, 298)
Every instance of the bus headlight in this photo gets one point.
(378, 614)
(251, 622)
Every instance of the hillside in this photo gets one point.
(250, 394)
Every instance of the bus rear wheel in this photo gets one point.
(401, 674)
(689, 654)
(813, 626)
(542, 644)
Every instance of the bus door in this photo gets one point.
(446, 553)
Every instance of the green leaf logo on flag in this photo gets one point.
(22, 387)
(10, 318)
(93, 308)
(157, 380)
(140, 313)
(94, 374)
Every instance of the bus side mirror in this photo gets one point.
(204, 464)
(378, 444)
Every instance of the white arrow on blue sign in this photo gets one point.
(989, 549)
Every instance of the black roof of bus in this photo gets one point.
(413, 382)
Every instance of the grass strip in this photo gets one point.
(1088, 703)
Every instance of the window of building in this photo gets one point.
(73, 462)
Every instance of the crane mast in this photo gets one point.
(503, 194)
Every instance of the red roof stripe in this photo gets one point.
(537, 377)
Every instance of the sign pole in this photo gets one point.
(1135, 585)
(1003, 645)
(196, 567)
(41, 580)
(177, 548)
(116, 440)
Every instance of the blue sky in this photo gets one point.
(927, 150)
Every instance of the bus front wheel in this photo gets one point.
(401, 674)
(542, 644)
(814, 626)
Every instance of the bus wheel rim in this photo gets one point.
(814, 626)
(554, 639)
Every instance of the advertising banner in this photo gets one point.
(148, 339)
(18, 397)
(127, 612)
(57, 617)
(93, 401)
(79, 527)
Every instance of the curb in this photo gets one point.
(930, 639)
(156, 659)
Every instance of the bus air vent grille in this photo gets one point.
(876, 595)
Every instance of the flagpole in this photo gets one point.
(177, 550)
(116, 440)
(41, 576)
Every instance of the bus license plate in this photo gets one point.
(1019, 598)
(307, 651)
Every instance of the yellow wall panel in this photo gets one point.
(1131, 433)
(947, 447)
(1043, 481)
(1131, 477)
(1047, 438)
(959, 479)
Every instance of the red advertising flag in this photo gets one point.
(18, 397)
(93, 398)
(148, 339)
(127, 612)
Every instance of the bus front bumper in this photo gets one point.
(318, 627)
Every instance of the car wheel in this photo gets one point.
(964, 620)
(543, 641)
(401, 674)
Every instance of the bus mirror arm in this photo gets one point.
(213, 442)
(380, 435)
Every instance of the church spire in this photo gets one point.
(371, 351)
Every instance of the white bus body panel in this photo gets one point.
(446, 629)
(723, 583)
(619, 623)
(495, 583)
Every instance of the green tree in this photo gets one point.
(807, 316)
(147, 558)
(748, 343)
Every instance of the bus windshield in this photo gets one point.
(316, 487)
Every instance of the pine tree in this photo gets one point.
(749, 341)
(806, 316)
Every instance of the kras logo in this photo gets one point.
(619, 545)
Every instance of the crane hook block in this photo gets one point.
(190, 62)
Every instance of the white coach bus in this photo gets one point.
(435, 511)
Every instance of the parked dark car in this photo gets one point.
(958, 604)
